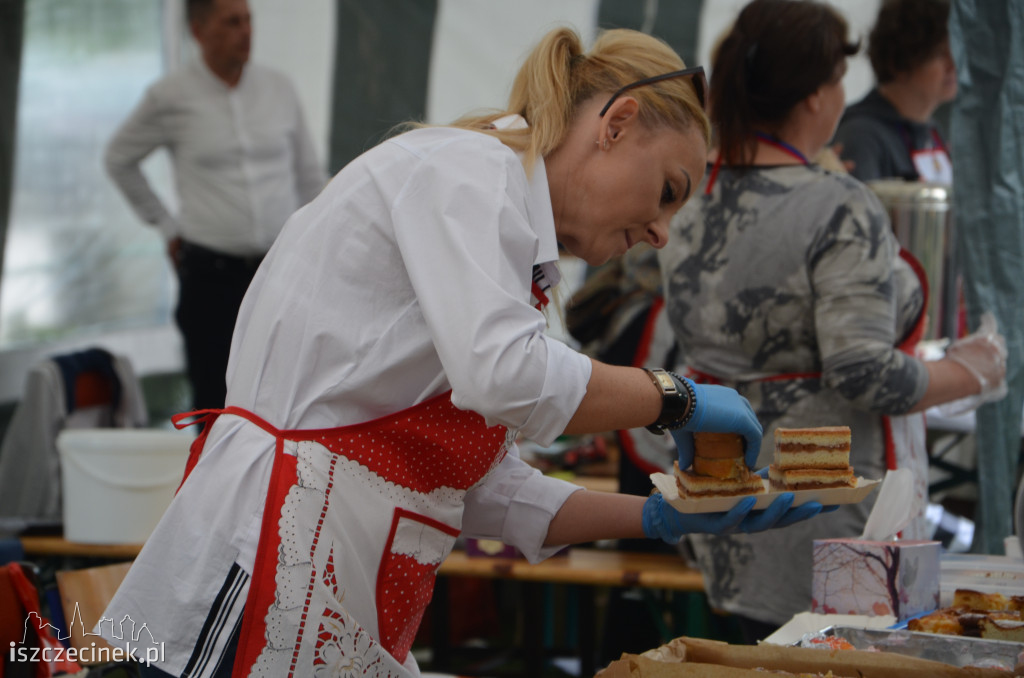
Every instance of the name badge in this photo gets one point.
(933, 166)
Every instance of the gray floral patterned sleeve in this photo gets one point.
(791, 269)
(786, 284)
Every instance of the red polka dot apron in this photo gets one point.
(356, 522)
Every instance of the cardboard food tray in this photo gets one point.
(698, 658)
(953, 650)
(666, 484)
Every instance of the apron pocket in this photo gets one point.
(415, 548)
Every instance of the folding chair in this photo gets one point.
(84, 595)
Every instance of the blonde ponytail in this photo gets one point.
(558, 75)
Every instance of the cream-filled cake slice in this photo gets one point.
(811, 458)
(824, 447)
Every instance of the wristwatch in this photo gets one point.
(677, 400)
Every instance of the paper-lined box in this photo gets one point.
(700, 658)
(854, 576)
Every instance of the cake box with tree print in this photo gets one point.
(855, 576)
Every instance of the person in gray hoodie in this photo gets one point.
(890, 132)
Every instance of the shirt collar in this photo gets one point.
(204, 69)
(538, 202)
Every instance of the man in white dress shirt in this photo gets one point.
(243, 162)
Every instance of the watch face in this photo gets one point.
(665, 381)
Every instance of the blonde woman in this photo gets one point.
(391, 348)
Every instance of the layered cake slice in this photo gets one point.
(811, 458)
(718, 468)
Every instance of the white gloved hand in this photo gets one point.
(983, 354)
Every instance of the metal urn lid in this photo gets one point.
(907, 193)
(921, 215)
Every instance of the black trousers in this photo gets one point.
(211, 287)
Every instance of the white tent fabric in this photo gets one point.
(478, 44)
(478, 47)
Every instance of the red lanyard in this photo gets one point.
(764, 139)
(936, 140)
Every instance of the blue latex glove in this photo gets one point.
(719, 410)
(661, 521)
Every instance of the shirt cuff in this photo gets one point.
(535, 504)
(516, 504)
(565, 384)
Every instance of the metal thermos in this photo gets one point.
(922, 218)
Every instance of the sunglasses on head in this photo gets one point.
(696, 74)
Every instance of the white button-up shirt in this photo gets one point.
(243, 158)
(409, 275)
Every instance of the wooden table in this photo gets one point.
(582, 567)
(59, 546)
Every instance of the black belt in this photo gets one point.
(203, 256)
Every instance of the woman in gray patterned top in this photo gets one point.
(785, 281)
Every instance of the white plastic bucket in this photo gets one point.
(118, 482)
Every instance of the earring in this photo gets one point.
(604, 146)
